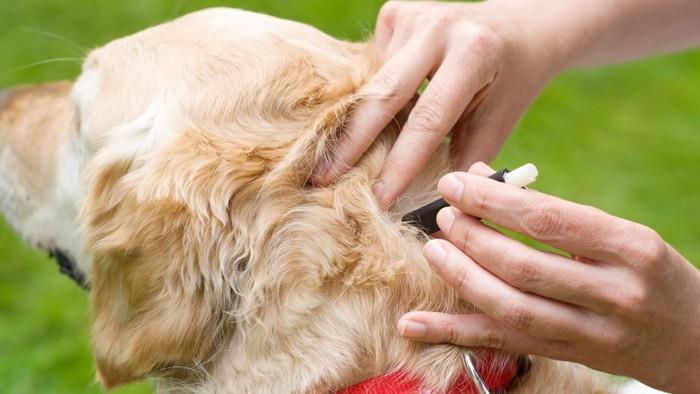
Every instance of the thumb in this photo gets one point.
(481, 168)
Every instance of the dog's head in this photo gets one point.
(165, 166)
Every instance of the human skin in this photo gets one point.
(625, 302)
(486, 63)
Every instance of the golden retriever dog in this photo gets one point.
(175, 172)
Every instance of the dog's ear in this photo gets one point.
(171, 232)
(163, 234)
(164, 254)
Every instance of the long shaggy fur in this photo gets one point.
(215, 266)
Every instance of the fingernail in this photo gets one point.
(379, 191)
(445, 218)
(481, 168)
(450, 187)
(435, 252)
(412, 329)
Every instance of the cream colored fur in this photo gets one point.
(214, 265)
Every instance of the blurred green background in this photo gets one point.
(625, 139)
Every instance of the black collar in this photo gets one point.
(67, 266)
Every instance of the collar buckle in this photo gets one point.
(524, 363)
(479, 383)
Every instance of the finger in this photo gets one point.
(437, 110)
(386, 94)
(578, 229)
(477, 330)
(481, 168)
(389, 25)
(384, 28)
(529, 313)
(545, 274)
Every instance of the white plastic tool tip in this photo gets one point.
(521, 176)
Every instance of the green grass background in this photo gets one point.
(625, 139)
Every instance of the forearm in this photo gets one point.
(582, 33)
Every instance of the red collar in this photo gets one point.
(498, 379)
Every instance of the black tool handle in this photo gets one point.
(425, 217)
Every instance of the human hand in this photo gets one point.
(625, 303)
(484, 70)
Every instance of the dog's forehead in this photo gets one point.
(216, 35)
(203, 70)
(196, 56)
(241, 40)
(210, 29)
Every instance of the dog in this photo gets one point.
(175, 173)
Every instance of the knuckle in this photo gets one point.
(462, 235)
(523, 274)
(491, 339)
(517, 316)
(485, 40)
(461, 281)
(616, 340)
(386, 88)
(453, 333)
(543, 221)
(633, 301)
(480, 39)
(426, 118)
(388, 12)
(650, 248)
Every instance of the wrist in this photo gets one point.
(562, 33)
(692, 370)
(684, 376)
(686, 382)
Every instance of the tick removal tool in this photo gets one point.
(425, 216)
(425, 219)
